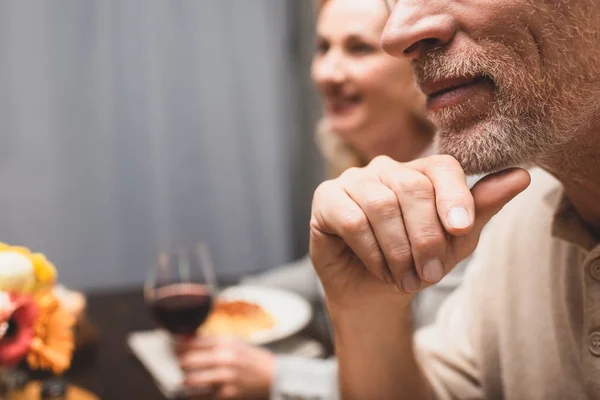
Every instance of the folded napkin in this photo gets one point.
(154, 350)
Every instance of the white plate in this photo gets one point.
(290, 311)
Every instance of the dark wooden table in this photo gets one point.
(110, 370)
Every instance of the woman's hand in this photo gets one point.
(228, 367)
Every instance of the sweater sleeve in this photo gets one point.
(305, 378)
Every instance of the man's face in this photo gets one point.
(507, 80)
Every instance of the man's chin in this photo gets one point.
(478, 166)
(478, 150)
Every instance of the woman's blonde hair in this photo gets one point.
(339, 155)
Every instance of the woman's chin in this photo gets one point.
(345, 127)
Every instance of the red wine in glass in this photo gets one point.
(181, 308)
(179, 290)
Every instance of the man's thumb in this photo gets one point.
(494, 191)
(490, 195)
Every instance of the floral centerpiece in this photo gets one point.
(34, 326)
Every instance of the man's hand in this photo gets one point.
(398, 227)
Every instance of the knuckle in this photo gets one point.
(351, 173)
(374, 256)
(355, 223)
(382, 205)
(323, 197)
(323, 188)
(314, 223)
(427, 238)
(417, 186)
(399, 256)
(381, 161)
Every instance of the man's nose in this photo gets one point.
(416, 26)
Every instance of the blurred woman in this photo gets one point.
(372, 107)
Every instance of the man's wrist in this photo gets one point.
(397, 304)
(372, 320)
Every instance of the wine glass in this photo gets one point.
(179, 290)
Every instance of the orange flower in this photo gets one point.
(53, 341)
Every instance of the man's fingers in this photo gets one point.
(342, 217)
(407, 222)
(427, 239)
(454, 202)
(382, 209)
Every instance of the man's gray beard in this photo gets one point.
(520, 131)
(528, 119)
(503, 139)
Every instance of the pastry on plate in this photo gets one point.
(236, 318)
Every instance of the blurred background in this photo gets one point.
(129, 125)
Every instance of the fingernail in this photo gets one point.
(459, 218)
(411, 281)
(433, 271)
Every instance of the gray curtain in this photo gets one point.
(308, 166)
(129, 125)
